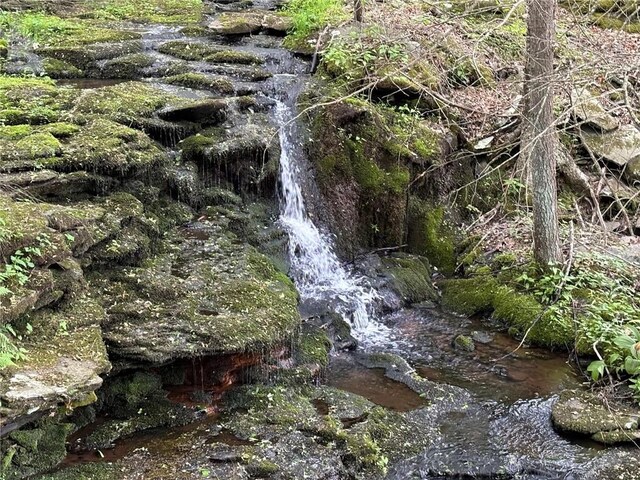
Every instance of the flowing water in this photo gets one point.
(318, 273)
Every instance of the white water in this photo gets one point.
(318, 273)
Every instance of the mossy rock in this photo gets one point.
(234, 56)
(34, 101)
(218, 85)
(34, 450)
(583, 413)
(313, 347)
(86, 57)
(363, 155)
(483, 294)
(193, 51)
(431, 235)
(107, 147)
(410, 277)
(247, 303)
(125, 102)
(60, 69)
(128, 66)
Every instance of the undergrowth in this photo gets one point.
(600, 295)
(310, 16)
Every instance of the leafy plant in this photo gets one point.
(9, 352)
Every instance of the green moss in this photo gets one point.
(313, 347)
(469, 296)
(188, 50)
(194, 147)
(128, 66)
(465, 343)
(611, 23)
(15, 132)
(4, 48)
(201, 81)
(50, 30)
(431, 236)
(60, 130)
(154, 11)
(36, 450)
(60, 69)
(108, 147)
(125, 102)
(39, 145)
(411, 278)
(32, 100)
(519, 311)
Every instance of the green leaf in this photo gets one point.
(632, 365)
(597, 369)
(624, 341)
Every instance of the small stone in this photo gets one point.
(464, 343)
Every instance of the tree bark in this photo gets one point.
(539, 136)
(358, 10)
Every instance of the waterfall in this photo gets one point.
(318, 273)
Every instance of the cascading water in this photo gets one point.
(316, 269)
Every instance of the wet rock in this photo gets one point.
(86, 56)
(618, 147)
(410, 277)
(482, 336)
(256, 303)
(128, 66)
(583, 413)
(614, 464)
(134, 403)
(344, 405)
(66, 357)
(588, 110)
(464, 343)
(442, 397)
(206, 112)
(60, 69)
(216, 84)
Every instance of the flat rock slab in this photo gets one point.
(583, 413)
(588, 110)
(619, 147)
(212, 295)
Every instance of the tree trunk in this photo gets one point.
(358, 10)
(539, 136)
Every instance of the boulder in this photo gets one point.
(583, 413)
(590, 112)
(618, 147)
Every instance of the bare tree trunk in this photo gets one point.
(358, 10)
(539, 135)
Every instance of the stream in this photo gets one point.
(506, 426)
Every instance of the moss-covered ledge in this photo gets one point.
(520, 312)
